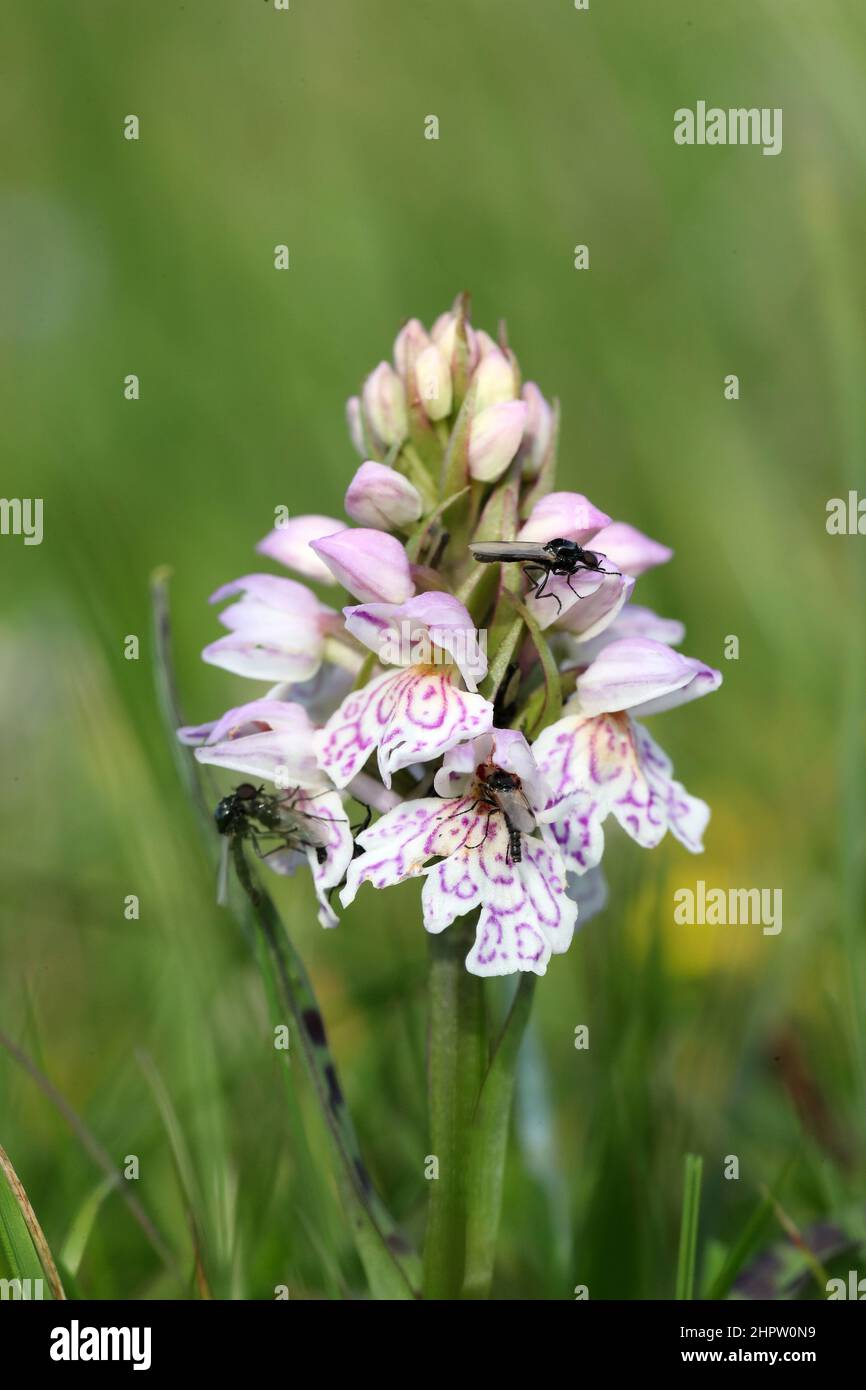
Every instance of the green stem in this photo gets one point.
(489, 1144)
(456, 1058)
(685, 1290)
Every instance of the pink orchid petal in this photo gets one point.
(609, 765)
(628, 549)
(505, 748)
(593, 614)
(289, 545)
(277, 629)
(526, 914)
(371, 564)
(324, 824)
(562, 592)
(270, 591)
(418, 631)
(636, 673)
(632, 621)
(264, 739)
(566, 515)
(321, 694)
(408, 716)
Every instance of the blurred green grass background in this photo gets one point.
(260, 127)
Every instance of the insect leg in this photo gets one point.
(533, 583)
(490, 813)
(362, 825)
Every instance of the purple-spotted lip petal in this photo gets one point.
(526, 914)
(405, 717)
(642, 676)
(418, 631)
(568, 515)
(630, 550)
(371, 564)
(289, 545)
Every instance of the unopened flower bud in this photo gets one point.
(381, 497)
(539, 430)
(384, 400)
(494, 437)
(445, 337)
(433, 377)
(370, 564)
(494, 380)
(412, 339)
(355, 423)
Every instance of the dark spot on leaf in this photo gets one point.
(315, 1026)
(335, 1095)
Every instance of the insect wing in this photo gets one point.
(510, 552)
(302, 830)
(223, 875)
(516, 809)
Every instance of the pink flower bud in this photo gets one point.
(434, 383)
(290, 545)
(485, 343)
(384, 399)
(538, 432)
(412, 339)
(494, 436)
(381, 497)
(494, 380)
(371, 564)
(356, 427)
(445, 338)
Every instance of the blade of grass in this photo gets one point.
(92, 1146)
(21, 1237)
(685, 1287)
(184, 1168)
(73, 1247)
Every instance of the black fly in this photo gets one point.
(250, 812)
(504, 792)
(556, 557)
